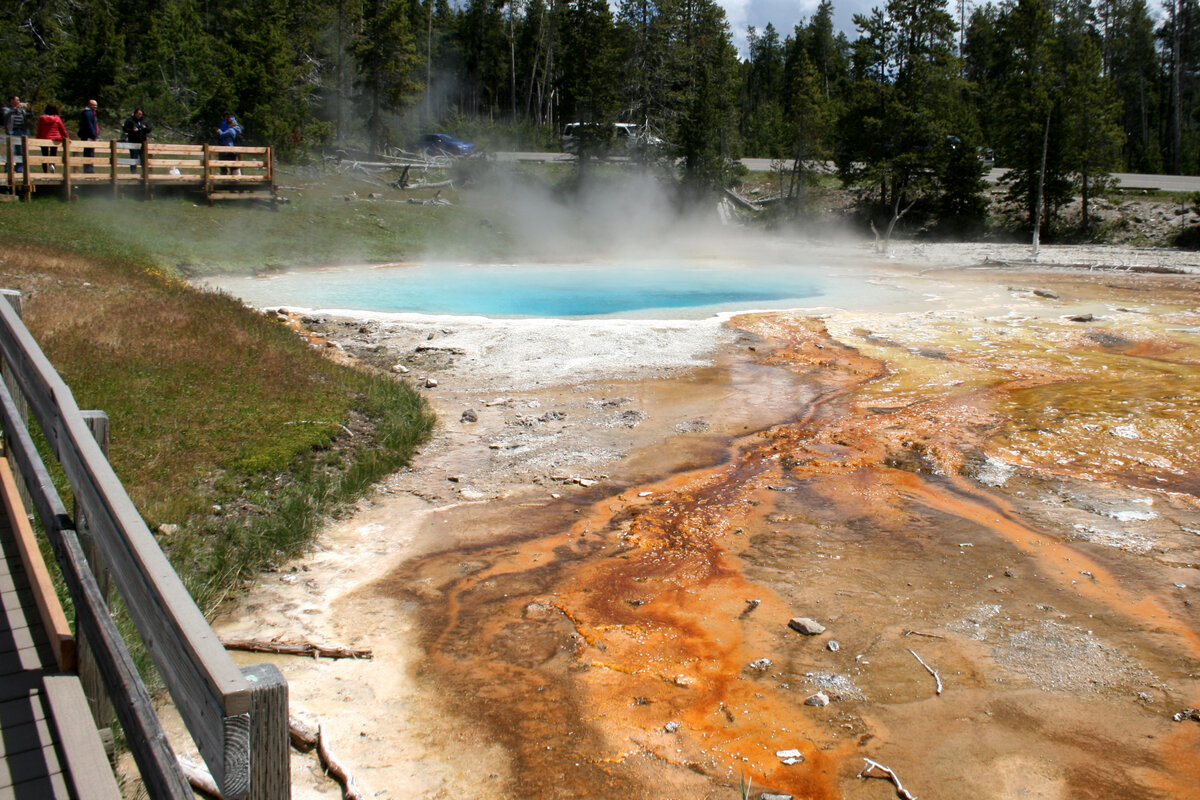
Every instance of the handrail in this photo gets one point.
(213, 697)
(221, 171)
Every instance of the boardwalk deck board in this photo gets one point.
(32, 752)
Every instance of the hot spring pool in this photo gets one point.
(646, 290)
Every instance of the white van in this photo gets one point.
(624, 135)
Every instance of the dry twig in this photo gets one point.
(888, 774)
(931, 670)
(295, 648)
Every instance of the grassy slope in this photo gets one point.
(223, 422)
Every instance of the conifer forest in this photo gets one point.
(909, 103)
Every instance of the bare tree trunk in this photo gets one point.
(1037, 208)
(1176, 93)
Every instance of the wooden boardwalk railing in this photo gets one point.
(222, 173)
(237, 718)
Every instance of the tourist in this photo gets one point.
(16, 123)
(136, 130)
(89, 131)
(50, 126)
(228, 133)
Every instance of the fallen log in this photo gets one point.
(304, 734)
(295, 648)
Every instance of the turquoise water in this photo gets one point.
(670, 289)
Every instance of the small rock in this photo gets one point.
(1049, 295)
(430, 383)
(168, 529)
(454, 478)
(585, 482)
(671, 727)
(400, 368)
(769, 796)
(1145, 697)
(469, 416)
(682, 681)
(551, 416)
(471, 494)
(1082, 318)
(789, 756)
(760, 664)
(645, 494)
(1188, 713)
(809, 627)
(818, 699)
(833, 645)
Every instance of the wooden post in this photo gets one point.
(89, 673)
(270, 742)
(25, 158)
(66, 165)
(207, 174)
(14, 299)
(146, 169)
(112, 162)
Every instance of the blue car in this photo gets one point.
(442, 144)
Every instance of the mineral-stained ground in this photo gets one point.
(989, 501)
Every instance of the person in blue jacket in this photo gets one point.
(89, 131)
(228, 133)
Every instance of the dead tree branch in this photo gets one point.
(337, 770)
(931, 670)
(888, 774)
(295, 648)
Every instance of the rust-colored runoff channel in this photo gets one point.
(637, 645)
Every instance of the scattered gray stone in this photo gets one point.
(682, 681)
(769, 796)
(430, 383)
(552, 416)
(833, 645)
(671, 727)
(168, 529)
(809, 627)
(401, 369)
(1049, 295)
(789, 757)
(1082, 318)
(760, 664)
(469, 416)
(1145, 697)
(818, 699)
(692, 426)
(471, 494)
(1188, 713)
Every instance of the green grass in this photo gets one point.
(179, 232)
(223, 422)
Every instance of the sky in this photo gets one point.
(786, 13)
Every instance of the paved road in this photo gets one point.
(1166, 183)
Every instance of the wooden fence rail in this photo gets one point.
(222, 173)
(221, 707)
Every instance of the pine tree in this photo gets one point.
(386, 60)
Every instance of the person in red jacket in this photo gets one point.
(50, 126)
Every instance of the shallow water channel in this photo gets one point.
(990, 504)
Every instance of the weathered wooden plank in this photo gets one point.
(19, 738)
(51, 787)
(80, 750)
(270, 761)
(50, 611)
(30, 765)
